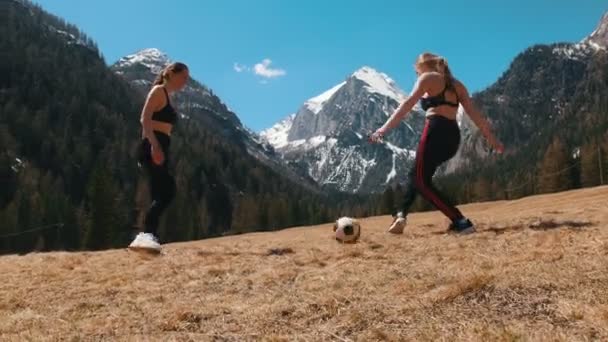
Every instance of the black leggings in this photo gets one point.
(439, 143)
(161, 183)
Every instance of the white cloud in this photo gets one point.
(265, 70)
(240, 67)
(262, 69)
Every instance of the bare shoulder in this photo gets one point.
(156, 98)
(430, 76)
(461, 89)
(458, 84)
(157, 89)
(156, 93)
(429, 80)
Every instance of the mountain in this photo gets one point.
(535, 99)
(550, 100)
(326, 138)
(599, 38)
(198, 102)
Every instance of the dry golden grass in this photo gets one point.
(537, 270)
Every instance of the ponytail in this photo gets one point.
(160, 79)
(439, 64)
(165, 74)
(442, 66)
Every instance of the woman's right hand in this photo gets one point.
(158, 156)
(377, 136)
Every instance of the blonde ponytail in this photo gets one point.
(438, 64)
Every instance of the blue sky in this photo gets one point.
(314, 44)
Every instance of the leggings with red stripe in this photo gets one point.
(439, 143)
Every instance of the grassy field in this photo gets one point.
(537, 270)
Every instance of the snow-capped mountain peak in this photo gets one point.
(325, 139)
(315, 104)
(599, 38)
(379, 82)
(152, 58)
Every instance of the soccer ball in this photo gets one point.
(348, 230)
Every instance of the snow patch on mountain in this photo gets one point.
(401, 151)
(305, 144)
(70, 38)
(277, 134)
(315, 104)
(598, 39)
(393, 172)
(152, 58)
(379, 83)
(577, 52)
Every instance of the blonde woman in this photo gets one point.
(440, 95)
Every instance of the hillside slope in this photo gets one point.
(536, 270)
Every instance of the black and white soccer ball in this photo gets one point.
(347, 230)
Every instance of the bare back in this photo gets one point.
(434, 85)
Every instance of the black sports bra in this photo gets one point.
(167, 113)
(437, 100)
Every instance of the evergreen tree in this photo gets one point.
(552, 174)
(590, 171)
(105, 222)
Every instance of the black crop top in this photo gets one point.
(167, 113)
(436, 101)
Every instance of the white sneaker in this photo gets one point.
(398, 224)
(146, 241)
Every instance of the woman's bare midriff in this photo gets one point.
(447, 115)
(445, 111)
(162, 127)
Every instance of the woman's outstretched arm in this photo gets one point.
(478, 119)
(405, 107)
